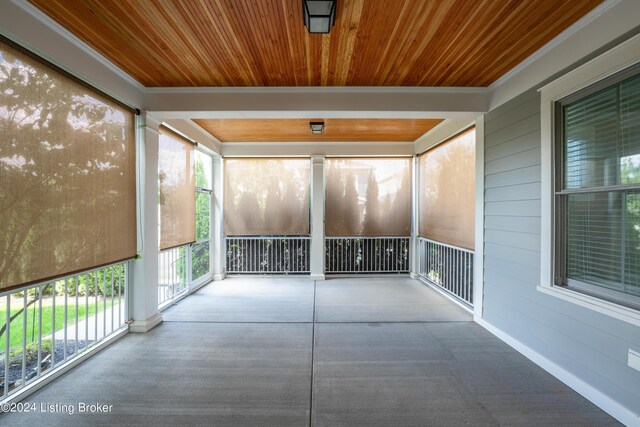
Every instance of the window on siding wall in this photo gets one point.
(67, 174)
(598, 189)
(266, 196)
(368, 197)
(447, 175)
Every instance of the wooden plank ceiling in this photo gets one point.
(264, 42)
(297, 130)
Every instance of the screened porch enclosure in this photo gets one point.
(381, 215)
(77, 238)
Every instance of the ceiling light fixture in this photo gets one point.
(316, 127)
(319, 16)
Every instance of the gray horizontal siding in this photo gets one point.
(513, 177)
(526, 224)
(588, 344)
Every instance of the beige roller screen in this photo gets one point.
(177, 182)
(266, 196)
(447, 183)
(368, 197)
(67, 174)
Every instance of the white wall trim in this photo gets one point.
(614, 60)
(613, 408)
(593, 303)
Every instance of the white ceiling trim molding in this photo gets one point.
(195, 133)
(317, 148)
(26, 25)
(604, 24)
(310, 114)
(315, 89)
(443, 131)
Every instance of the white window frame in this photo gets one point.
(617, 59)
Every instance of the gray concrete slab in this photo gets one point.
(227, 357)
(247, 299)
(418, 374)
(392, 299)
(189, 374)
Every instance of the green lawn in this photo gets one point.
(32, 321)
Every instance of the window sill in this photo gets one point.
(616, 311)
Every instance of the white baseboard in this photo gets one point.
(142, 326)
(613, 408)
(219, 276)
(317, 277)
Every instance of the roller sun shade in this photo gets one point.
(67, 174)
(266, 196)
(368, 197)
(177, 184)
(447, 182)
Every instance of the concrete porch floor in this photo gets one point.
(290, 351)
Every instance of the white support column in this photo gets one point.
(414, 252)
(478, 258)
(218, 242)
(144, 286)
(317, 218)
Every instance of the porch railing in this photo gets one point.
(448, 267)
(44, 326)
(354, 255)
(172, 275)
(268, 254)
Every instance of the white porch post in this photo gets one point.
(414, 254)
(317, 218)
(218, 243)
(144, 286)
(478, 258)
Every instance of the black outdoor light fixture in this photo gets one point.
(319, 15)
(316, 127)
